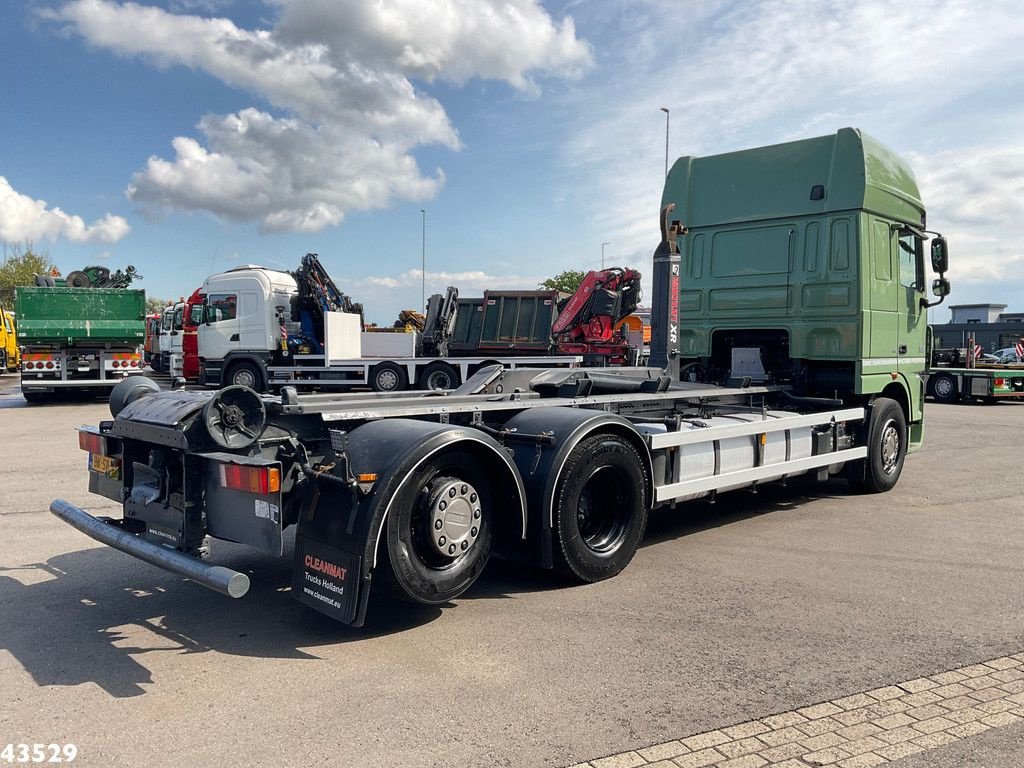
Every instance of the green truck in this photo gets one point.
(803, 264)
(85, 339)
(788, 339)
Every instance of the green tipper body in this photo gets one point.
(803, 249)
(80, 316)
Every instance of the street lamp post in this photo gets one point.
(665, 110)
(602, 253)
(423, 271)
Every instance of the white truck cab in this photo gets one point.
(242, 313)
(249, 335)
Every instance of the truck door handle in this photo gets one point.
(903, 349)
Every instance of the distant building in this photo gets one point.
(991, 327)
(975, 313)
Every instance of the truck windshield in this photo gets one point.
(222, 306)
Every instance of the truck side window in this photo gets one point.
(7, 324)
(178, 318)
(911, 262)
(223, 306)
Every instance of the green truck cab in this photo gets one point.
(804, 264)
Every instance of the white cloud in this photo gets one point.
(979, 186)
(492, 39)
(283, 172)
(25, 219)
(340, 74)
(976, 197)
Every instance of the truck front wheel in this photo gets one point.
(887, 447)
(601, 509)
(245, 374)
(388, 377)
(440, 528)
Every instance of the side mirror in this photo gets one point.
(940, 287)
(940, 257)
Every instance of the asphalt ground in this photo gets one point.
(756, 605)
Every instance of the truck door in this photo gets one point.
(912, 322)
(253, 323)
(220, 332)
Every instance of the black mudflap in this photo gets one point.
(329, 579)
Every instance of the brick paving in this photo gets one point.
(858, 731)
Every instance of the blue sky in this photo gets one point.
(185, 136)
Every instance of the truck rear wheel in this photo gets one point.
(887, 447)
(944, 388)
(439, 376)
(440, 528)
(388, 377)
(601, 511)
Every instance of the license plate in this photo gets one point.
(105, 465)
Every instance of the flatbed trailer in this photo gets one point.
(989, 384)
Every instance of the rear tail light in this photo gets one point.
(261, 480)
(91, 442)
(1000, 382)
(135, 363)
(49, 364)
(29, 366)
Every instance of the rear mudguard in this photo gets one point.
(541, 463)
(340, 528)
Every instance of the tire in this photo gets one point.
(433, 565)
(601, 511)
(887, 447)
(77, 279)
(36, 397)
(439, 376)
(944, 388)
(388, 377)
(244, 374)
(3, 361)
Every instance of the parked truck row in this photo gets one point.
(266, 328)
(789, 338)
